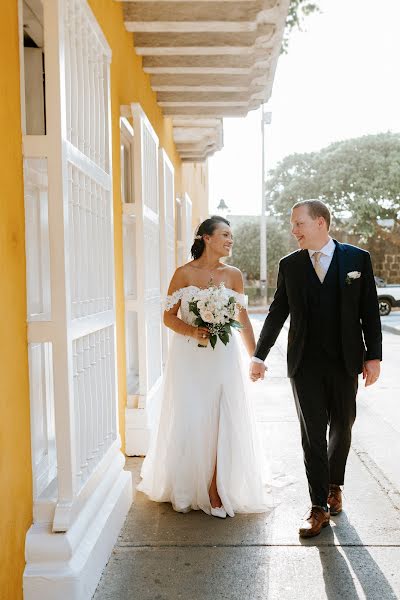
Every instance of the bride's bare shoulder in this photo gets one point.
(235, 278)
(179, 279)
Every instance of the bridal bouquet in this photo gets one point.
(216, 310)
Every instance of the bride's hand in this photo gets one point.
(257, 371)
(200, 333)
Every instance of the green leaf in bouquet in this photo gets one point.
(193, 308)
(224, 337)
(213, 341)
(236, 325)
(199, 322)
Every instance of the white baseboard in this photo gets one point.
(140, 421)
(137, 432)
(68, 566)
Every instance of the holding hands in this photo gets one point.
(257, 371)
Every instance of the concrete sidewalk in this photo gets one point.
(163, 555)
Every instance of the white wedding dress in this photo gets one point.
(205, 416)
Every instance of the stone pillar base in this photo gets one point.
(68, 566)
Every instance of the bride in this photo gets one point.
(205, 453)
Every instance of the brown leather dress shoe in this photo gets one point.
(317, 520)
(335, 499)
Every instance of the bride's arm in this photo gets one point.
(171, 318)
(247, 332)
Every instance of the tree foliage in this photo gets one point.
(246, 249)
(359, 179)
(298, 11)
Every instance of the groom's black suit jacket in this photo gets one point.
(360, 326)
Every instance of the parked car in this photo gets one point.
(388, 295)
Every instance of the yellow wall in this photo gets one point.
(195, 183)
(15, 454)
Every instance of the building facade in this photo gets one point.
(108, 113)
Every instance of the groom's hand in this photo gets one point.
(257, 371)
(371, 371)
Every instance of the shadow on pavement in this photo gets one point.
(343, 565)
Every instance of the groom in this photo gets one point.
(328, 289)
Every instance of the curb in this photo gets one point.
(391, 328)
(257, 310)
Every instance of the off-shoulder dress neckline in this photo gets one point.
(178, 294)
(185, 287)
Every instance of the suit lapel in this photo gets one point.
(343, 266)
(301, 267)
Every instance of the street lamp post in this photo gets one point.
(223, 208)
(265, 120)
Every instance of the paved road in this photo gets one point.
(392, 322)
(163, 555)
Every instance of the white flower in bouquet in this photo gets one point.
(207, 316)
(216, 310)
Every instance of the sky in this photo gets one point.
(340, 79)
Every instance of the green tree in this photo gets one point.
(298, 11)
(246, 249)
(359, 179)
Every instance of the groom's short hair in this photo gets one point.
(316, 208)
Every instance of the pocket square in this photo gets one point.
(351, 276)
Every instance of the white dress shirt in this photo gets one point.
(325, 260)
(326, 254)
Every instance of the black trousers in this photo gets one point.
(325, 397)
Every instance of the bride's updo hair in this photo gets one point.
(207, 227)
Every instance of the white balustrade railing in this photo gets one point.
(86, 78)
(94, 400)
(149, 196)
(187, 225)
(44, 461)
(184, 228)
(129, 258)
(130, 269)
(141, 257)
(167, 235)
(152, 300)
(149, 168)
(90, 244)
(37, 238)
(169, 223)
